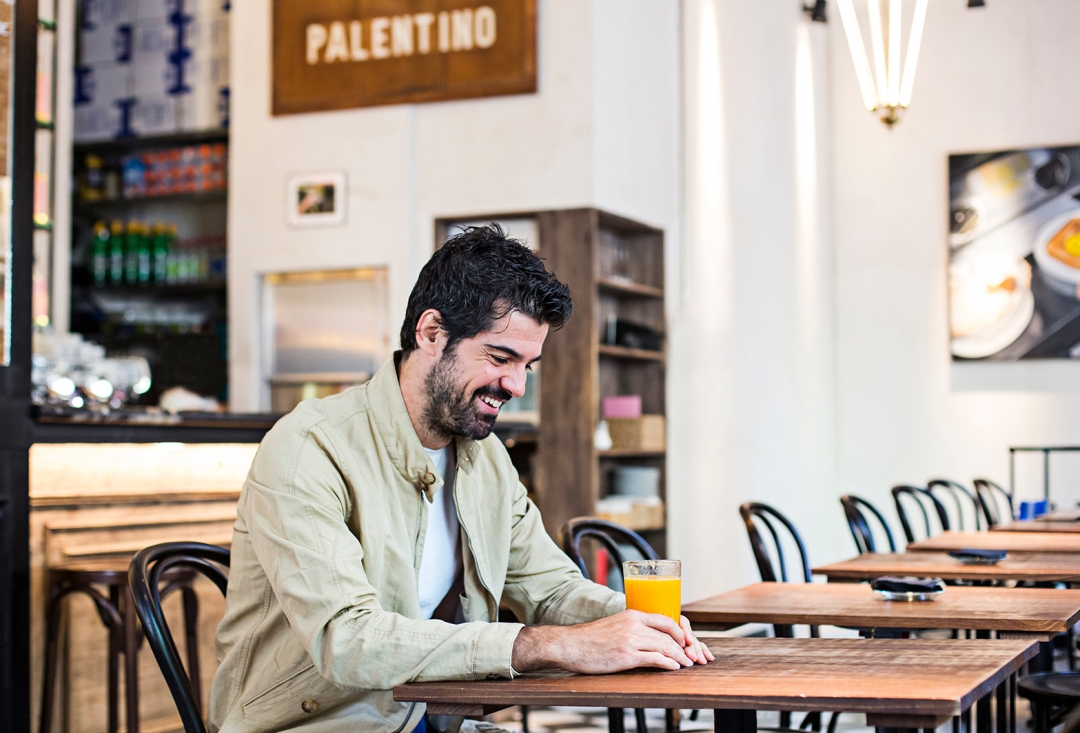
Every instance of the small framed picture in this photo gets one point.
(315, 198)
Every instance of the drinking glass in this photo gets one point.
(654, 586)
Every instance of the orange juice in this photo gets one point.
(654, 594)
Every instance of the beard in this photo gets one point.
(451, 410)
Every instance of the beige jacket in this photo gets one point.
(322, 613)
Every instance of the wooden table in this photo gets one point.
(1034, 566)
(1008, 541)
(1041, 612)
(896, 682)
(1061, 521)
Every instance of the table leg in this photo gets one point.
(1002, 707)
(983, 722)
(1012, 703)
(615, 720)
(965, 721)
(735, 721)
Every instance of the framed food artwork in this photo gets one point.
(1014, 254)
(315, 199)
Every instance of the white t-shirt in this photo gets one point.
(441, 560)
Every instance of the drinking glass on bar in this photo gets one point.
(654, 586)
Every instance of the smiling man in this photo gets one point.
(379, 530)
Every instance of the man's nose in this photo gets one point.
(514, 382)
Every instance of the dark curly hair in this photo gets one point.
(476, 278)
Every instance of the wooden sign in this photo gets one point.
(339, 54)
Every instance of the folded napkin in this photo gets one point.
(908, 585)
(970, 553)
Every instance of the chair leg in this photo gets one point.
(116, 645)
(132, 642)
(639, 716)
(52, 643)
(671, 720)
(615, 720)
(1040, 713)
(191, 638)
(524, 719)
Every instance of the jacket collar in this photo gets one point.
(402, 443)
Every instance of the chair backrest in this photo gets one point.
(144, 575)
(921, 497)
(752, 513)
(962, 498)
(860, 527)
(611, 536)
(990, 494)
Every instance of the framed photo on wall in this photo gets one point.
(316, 198)
(1014, 254)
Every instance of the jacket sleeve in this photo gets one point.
(543, 585)
(296, 506)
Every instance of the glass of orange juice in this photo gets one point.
(654, 586)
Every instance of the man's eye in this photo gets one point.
(499, 360)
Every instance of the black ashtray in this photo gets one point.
(972, 556)
(908, 589)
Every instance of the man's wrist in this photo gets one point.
(529, 652)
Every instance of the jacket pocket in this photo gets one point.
(285, 700)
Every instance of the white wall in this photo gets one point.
(988, 79)
(566, 146)
(751, 408)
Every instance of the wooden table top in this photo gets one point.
(1035, 566)
(1061, 521)
(1027, 610)
(920, 682)
(1008, 541)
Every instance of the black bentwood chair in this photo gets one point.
(961, 496)
(860, 527)
(144, 576)
(615, 539)
(753, 514)
(990, 498)
(1053, 695)
(921, 498)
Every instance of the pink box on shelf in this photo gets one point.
(621, 406)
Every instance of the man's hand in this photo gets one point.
(627, 640)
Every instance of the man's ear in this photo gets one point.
(430, 336)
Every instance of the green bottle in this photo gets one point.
(161, 254)
(146, 270)
(116, 253)
(100, 261)
(131, 252)
(172, 268)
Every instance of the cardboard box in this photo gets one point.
(645, 433)
(642, 515)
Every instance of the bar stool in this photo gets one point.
(106, 584)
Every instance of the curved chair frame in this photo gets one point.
(144, 575)
(918, 493)
(752, 510)
(958, 492)
(860, 528)
(985, 489)
(609, 535)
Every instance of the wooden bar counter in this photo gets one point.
(105, 502)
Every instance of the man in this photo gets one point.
(379, 531)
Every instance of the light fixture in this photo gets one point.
(887, 88)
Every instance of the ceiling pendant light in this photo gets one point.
(886, 89)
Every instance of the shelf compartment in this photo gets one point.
(629, 288)
(621, 352)
(621, 453)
